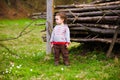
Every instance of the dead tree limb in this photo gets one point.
(86, 5)
(102, 1)
(101, 26)
(96, 30)
(87, 9)
(113, 42)
(90, 40)
(2, 45)
(95, 13)
(106, 40)
(104, 19)
(20, 34)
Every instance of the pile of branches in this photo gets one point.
(94, 22)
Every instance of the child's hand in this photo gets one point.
(67, 45)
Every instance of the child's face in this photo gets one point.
(59, 20)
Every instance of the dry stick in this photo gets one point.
(103, 26)
(108, 3)
(96, 30)
(100, 1)
(109, 19)
(105, 14)
(86, 5)
(112, 43)
(96, 13)
(97, 20)
(90, 40)
(21, 33)
(115, 13)
(95, 36)
(76, 17)
(88, 36)
(86, 9)
(2, 45)
(102, 16)
(114, 39)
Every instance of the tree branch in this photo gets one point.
(21, 33)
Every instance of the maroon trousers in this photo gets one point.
(61, 49)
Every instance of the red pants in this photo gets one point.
(61, 49)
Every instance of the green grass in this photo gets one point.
(27, 59)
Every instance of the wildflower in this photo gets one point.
(31, 70)
(12, 64)
(19, 66)
(10, 68)
(62, 69)
(6, 70)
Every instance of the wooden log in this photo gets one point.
(82, 34)
(106, 40)
(95, 13)
(95, 30)
(95, 8)
(78, 32)
(86, 5)
(102, 26)
(117, 2)
(112, 43)
(72, 6)
(102, 1)
(97, 19)
(90, 35)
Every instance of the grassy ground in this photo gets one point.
(26, 58)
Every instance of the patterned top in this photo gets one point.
(60, 35)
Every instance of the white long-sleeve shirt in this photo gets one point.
(60, 34)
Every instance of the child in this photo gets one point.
(60, 39)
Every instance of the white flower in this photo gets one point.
(19, 66)
(62, 69)
(12, 65)
(31, 70)
(6, 71)
(10, 68)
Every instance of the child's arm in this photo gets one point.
(67, 35)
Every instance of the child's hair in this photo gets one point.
(62, 16)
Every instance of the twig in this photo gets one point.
(2, 45)
(20, 34)
(76, 17)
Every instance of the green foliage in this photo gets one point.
(30, 62)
